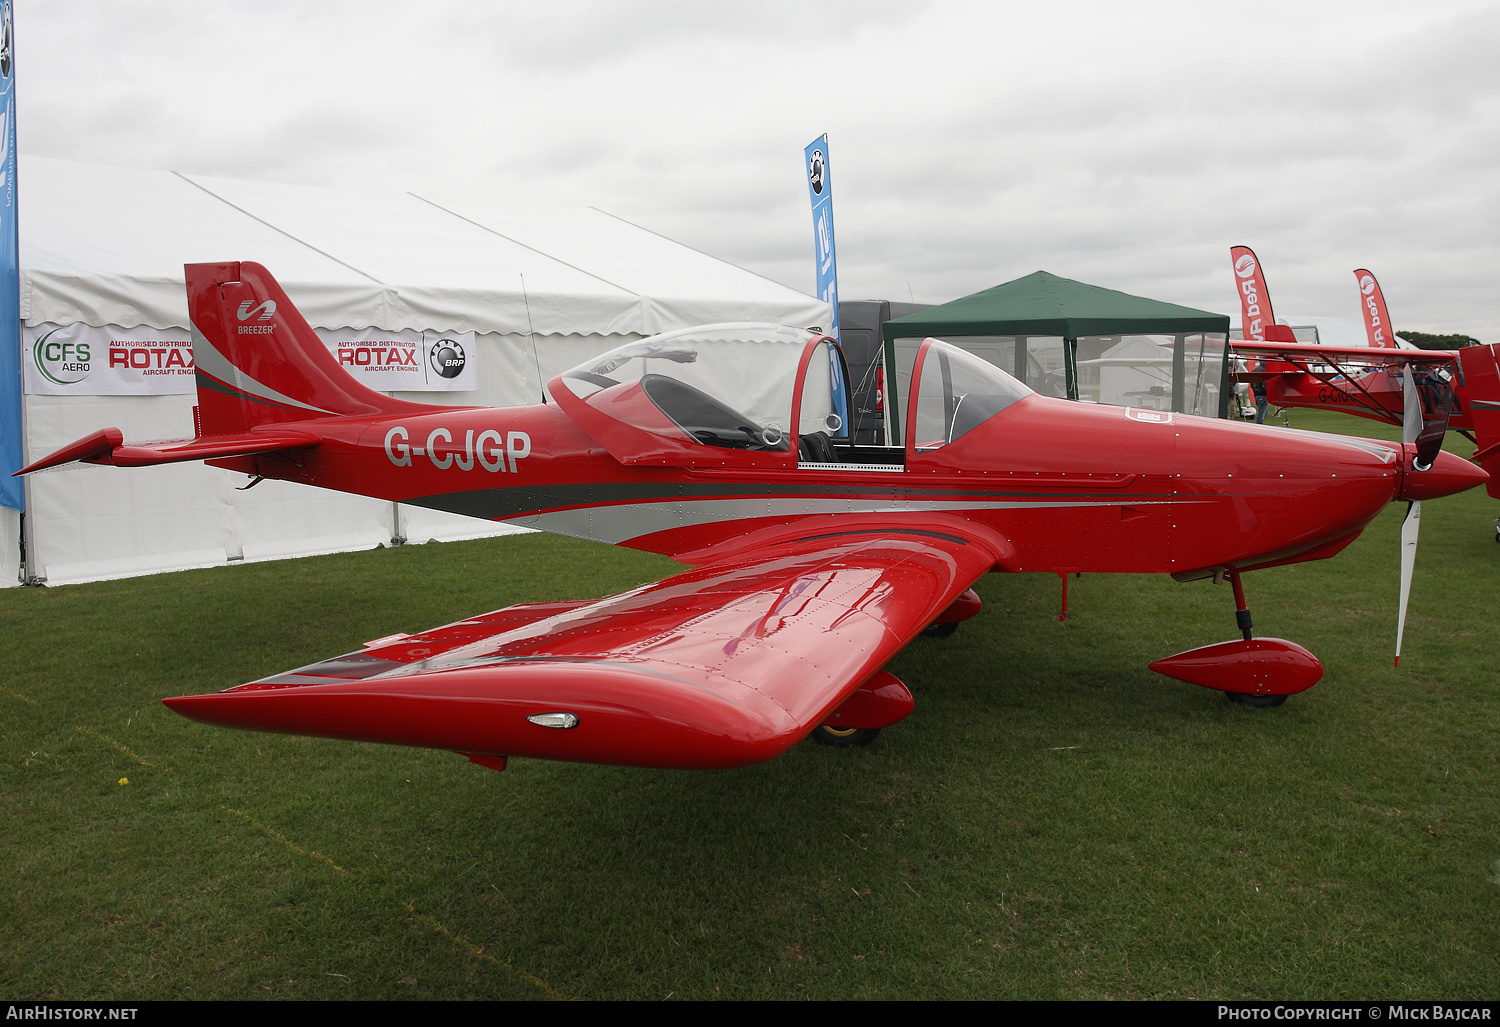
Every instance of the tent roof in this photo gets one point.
(107, 245)
(1044, 304)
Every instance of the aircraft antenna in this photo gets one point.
(540, 384)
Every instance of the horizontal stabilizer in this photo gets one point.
(94, 449)
(106, 447)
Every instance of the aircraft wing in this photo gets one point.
(1363, 355)
(724, 665)
(1365, 379)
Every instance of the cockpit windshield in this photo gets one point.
(957, 393)
(725, 385)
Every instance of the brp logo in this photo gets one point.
(1245, 266)
(267, 310)
(447, 358)
(5, 42)
(1367, 284)
(815, 172)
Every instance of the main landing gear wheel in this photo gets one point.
(1260, 702)
(939, 630)
(841, 737)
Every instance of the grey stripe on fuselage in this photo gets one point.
(623, 521)
(617, 521)
(207, 356)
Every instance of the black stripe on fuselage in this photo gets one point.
(492, 504)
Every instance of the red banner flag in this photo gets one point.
(1372, 305)
(1255, 300)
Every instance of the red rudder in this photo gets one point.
(1480, 395)
(259, 362)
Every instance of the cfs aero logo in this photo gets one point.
(1367, 284)
(61, 363)
(1245, 266)
(815, 172)
(447, 358)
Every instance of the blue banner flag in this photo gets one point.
(820, 189)
(11, 492)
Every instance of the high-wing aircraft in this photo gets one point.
(1367, 381)
(816, 560)
(1424, 391)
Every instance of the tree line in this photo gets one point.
(1426, 340)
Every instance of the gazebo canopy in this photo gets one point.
(1043, 304)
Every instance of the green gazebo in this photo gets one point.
(1042, 305)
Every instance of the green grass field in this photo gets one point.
(1054, 821)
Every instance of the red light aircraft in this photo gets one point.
(816, 560)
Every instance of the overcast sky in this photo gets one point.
(1124, 144)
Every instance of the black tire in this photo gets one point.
(1259, 702)
(939, 630)
(842, 737)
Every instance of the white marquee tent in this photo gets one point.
(541, 289)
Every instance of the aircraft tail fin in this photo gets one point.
(1372, 308)
(1480, 395)
(259, 362)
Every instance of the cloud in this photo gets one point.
(1129, 145)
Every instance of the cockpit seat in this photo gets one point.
(816, 448)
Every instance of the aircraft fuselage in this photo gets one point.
(1068, 487)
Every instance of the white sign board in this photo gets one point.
(84, 360)
(405, 361)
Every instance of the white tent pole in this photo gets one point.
(398, 527)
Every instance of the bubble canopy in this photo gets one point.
(728, 386)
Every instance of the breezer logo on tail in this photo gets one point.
(267, 310)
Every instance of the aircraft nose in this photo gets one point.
(1448, 475)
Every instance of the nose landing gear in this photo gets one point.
(1242, 619)
(1259, 672)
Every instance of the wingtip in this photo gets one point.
(95, 446)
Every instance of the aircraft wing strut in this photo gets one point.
(1342, 368)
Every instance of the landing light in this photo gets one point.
(562, 720)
